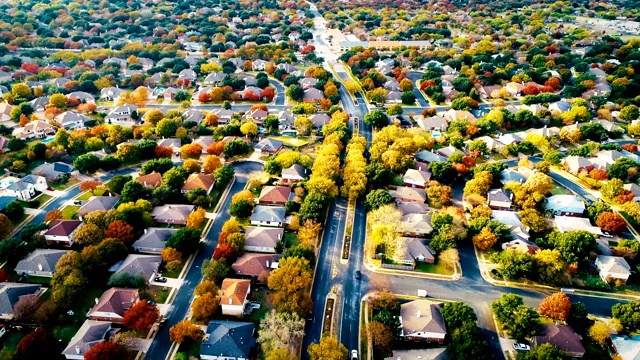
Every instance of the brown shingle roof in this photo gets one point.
(277, 194)
(152, 180)
(115, 300)
(253, 264)
(562, 337)
(63, 227)
(199, 181)
(234, 291)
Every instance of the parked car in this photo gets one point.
(161, 279)
(354, 354)
(163, 322)
(358, 275)
(521, 347)
(422, 293)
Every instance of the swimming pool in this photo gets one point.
(6, 182)
(48, 140)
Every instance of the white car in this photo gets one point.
(354, 354)
(521, 347)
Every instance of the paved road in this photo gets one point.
(420, 100)
(161, 344)
(280, 93)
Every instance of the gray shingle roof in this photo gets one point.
(154, 238)
(143, 265)
(47, 258)
(98, 203)
(269, 213)
(228, 339)
(10, 293)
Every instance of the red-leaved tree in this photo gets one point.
(141, 316)
(119, 230)
(107, 351)
(611, 222)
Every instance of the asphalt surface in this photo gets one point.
(161, 344)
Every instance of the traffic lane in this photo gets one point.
(161, 344)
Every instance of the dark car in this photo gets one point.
(163, 322)
(309, 316)
(358, 275)
(161, 279)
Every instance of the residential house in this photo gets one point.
(572, 223)
(268, 216)
(294, 174)
(193, 115)
(508, 139)
(4, 144)
(394, 97)
(54, 171)
(521, 245)
(627, 347)
(89, 335)
(613, 268)
(492, 144)
(112, 304)
(508, 175)
(433, 123)
(173, 143)
(188, 74)
(224, 116)
(416, 178)
(41, 262)
(312, 95)
(417, 224)
(199, 181)
(320, 119)
(258, 115)
(214, 78)
(150, 181)
(577, 164)
(34, 129)
(268, 146)
(409, 194)
(512, 221)
(290, 69)
(84, 97)
(145, 266)
(172, 213)
(567, 205)
(70, 120)
(205, 142)
(258, 65)
(27, 187)
(633, 188)
(423, 158)
(153, 240)
(125, 115)
(408, 208)
(544, 131)
(111, 93)
(560, 106)
(234, 294)
(421, 320)
(514, 88)
(61, 232)
(251, 91)
(447, 151)
(255, 265)
(562, 337)
(11, 293)
(499, 199)
(274, 195)
(5, 112)
(262, 239)
(308, 82)
(608, 125)
(40, 103)
(97, 203)
(228, 340)
(452, 114)
(415, 250)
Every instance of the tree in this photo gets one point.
(629, 113)
(205, 306)
(14, 211)
(25, 308)
(166, 128)
(191, 151)
(380, 334)
(127, 280)
(215, 270)
(91, 185)
(107, 350)
(174, 178)
(224, 175)
(599, 332)
(231, 226)
(184, 240)
(290, 284)
(170, 254)
(518, 319)
(6, 227)
(376, 119)
(628, 314)
(237, 242)
(378, 198)
(303, 124)
(195, 219)
(183, 330)
(36, 345)
(88, 234)
(87, 163)
(556, 306)
(120, 230)
(241, 209)
(549, 265)
(574, 246)
(611, 222)
(542, 352)
(133, 191)
(485, 239)
(443, 171)
(327, 349)
(532, 219)
(249, 128)
(211, 164)
(295, 92)
(280, 330)
(116, 184)
(141, 316)
(395, 109)
(449, 258)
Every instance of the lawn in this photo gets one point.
(64, 333)
(290, 239)
(263, 298)
(158, 294)
(559, 190)
(191, 348)
(38, 280)
(590, 281)
(43, 198)
(175, 273)
(87, 194)
(433, 268)
(69, 211)
(11, 339)
(68, 184)
(292, 141)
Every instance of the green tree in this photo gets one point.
(443, 172)
(395, 109)
(628, 314)
(629, 113)
(376, 119)
(166, 128)
(574, 246)
(174, 178)
(295, 92)
(241, 208)
(87, 163)
(542, 352)
(378, 198)
(14, 211)
(612, 188)
(116, 184)
(224, 175)
(215, 270)
(185, 240)
(134, 191)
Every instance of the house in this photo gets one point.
(560, 106)
(70, 120)
(421, 320)
(258, 115)
(394, 97)
(5, 112)
(294, 174)
(40, 103)
(627, 347)
(61, 232)
(233, 296)
(224, 116)
(34, 129)
(153, 240)
(572, 223)
(320, 119)
(562, 337)
(413, 208)
(433, 123)
(511, 220)
(268, 216)
(188, 74)
(41, 262)
(112, 304)
(256, 265)
(11, 293)
(613, 268)
(633, 188)
(427, 157)
(205, 142)
(417, 224)
(447, 151)
(172, 213)
(125, 115)
(228, 340)
(521, 245)
(409, 194)
(90, 334)
(508, 139)
(84, 97)
(27, 187)
(274, 195)
(214, 78)
(290, 69)
(308, 82)
(262, 239)
(312, 95)
(111, 93)
(415, 251)
(193, 115)
(416, 178)
(4, 144)
(568, 205)
(145, 266)
(499, 199)
(199, 181)
(492, 144)
(452, 114)
(150, 181)
(577, 164)
(508, 175)
(97, 203)
(268, 146)
(258, 65)
(54, 171)
(173, 143)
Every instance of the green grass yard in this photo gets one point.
(157, 294)
(434, 268)
(87, 194)
(73, 181)
(290, 239)
(69, 211)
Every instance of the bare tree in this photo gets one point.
(25, 309)
(280, 330)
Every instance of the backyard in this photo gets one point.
(69, 211)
